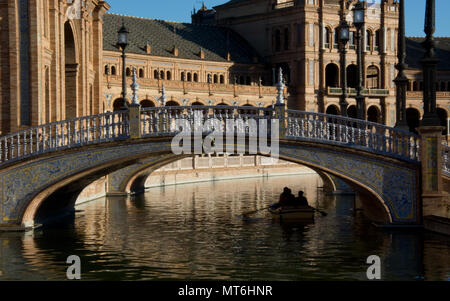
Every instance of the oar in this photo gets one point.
(253, 212)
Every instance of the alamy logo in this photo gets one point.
(230, 136)
(74, 9)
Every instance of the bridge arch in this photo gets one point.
(389, 184)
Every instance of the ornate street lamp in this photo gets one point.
(429, 65)
(401, 81)
(358, 21)
(344, 37)
(123, 43)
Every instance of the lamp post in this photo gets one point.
(429, 65)
(123, 43)
(344, 37)
(401, 81)
(358, 21)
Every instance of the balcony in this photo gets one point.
(284, 5)
(332, 91)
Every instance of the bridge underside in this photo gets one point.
(32, 189)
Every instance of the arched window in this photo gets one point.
(415, 86)
(215, 79)
(373, 77)
(156, 74)
(161, 74)
(368, 40)
(286, 39)
(326, 38)
(222, 79)
(189, 77)
(141, 73)
(183, 76)
(277, 40)
(332, 75)
(351, 41)
(128, 71)
(335, 38)
(377, 40)
(113, 70)
(168, 75)
(195, 77)
(106, 70)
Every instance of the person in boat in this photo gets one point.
(301, 200)
(286, 199)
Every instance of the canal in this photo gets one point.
(196, 232)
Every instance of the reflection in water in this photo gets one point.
(195, 232)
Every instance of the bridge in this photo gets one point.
(44, 168)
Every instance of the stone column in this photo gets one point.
(433, 197)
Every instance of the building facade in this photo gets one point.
(59, 59)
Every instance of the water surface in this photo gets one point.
(196, 232)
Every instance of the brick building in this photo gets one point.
(59, 59)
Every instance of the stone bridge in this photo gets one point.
(43, 169)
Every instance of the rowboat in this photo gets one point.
(293, 213)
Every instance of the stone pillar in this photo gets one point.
(134, 117)
(280, 115)
(433, 198)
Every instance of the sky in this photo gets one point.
(180, 11)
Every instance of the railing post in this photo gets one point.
(280, 115)
(433, 196)
(134, 119)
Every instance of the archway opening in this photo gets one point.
(332, 75)
(147, 103)
(71, 72)
(413, 119)
(332, 110)
(118, 104)
(352, 76)
(443, 118)
(373, 114)
(172, 103)
(351, 111)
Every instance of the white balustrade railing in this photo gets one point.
(161, 121)
(63, 134)
(353, 133)
(446, 159)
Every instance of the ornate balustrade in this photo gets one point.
(177, 85)
(63, 134)
(165, 121)
(446, 159)
(159, 121)
(333, 91)
(354, 133)
(419, 94)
